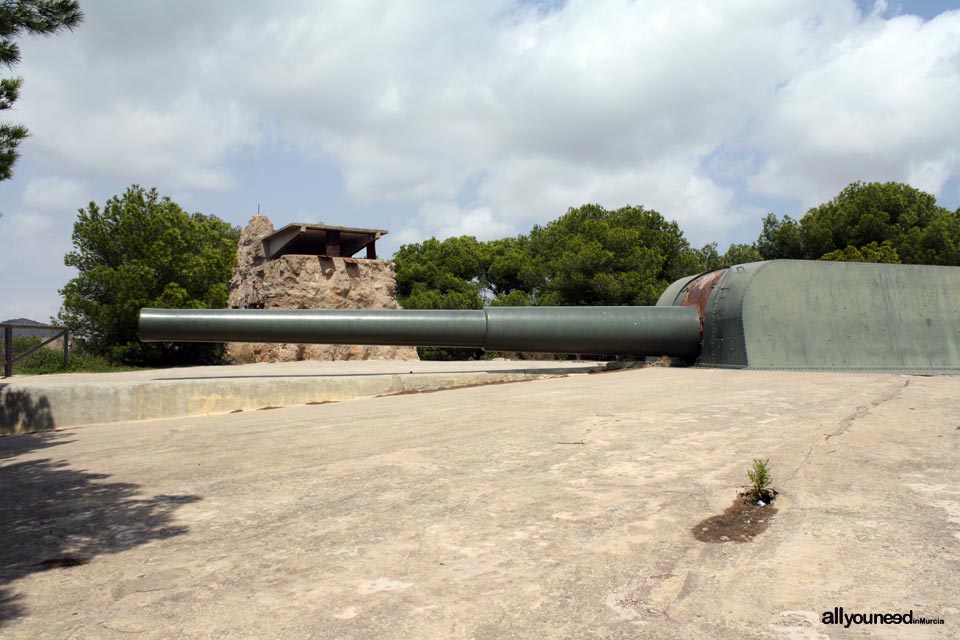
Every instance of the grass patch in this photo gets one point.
(45, 361)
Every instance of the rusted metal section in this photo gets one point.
(698, 292)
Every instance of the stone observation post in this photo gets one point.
(309, 266)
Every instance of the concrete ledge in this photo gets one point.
(41, 403)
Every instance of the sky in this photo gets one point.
(436, 119)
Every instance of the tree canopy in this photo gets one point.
(588, 256)
(141, 250)
(628, 256)
(868, 222)
(17, 17)
(592, 256)
(439, 274)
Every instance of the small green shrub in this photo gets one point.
(760, 479)
(44, 361)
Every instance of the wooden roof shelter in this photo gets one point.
(301, 238)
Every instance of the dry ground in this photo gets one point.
(553, 508)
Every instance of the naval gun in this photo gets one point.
(779, 314)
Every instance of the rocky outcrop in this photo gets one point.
(308, 282)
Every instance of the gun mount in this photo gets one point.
(781, 314)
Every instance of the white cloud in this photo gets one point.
(133, 94)
(30, 281)
(445, 220)
(537, 189)
(55, 194)
(21, 226)
(882, 105)
(508, 113)
(32, 247)
(185, 143)
(478, 118)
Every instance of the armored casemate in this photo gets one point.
(782, 314)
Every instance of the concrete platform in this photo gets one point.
(558, 508)
(39, 403)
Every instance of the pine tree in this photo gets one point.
(142, 250)
(17, 17)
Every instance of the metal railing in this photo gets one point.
(9, 359)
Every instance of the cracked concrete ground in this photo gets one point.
(477, 513)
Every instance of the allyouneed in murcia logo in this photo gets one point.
(840, 617)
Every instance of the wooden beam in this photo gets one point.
(332, 249)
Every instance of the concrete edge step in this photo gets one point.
(28, 406)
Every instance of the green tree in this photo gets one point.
(868, 222)
(741, 254)
(505, 270)
(35, 17)
(780, 239)
(589, 256)
(921, 231)
(142, 250)
(709, 258)
(872, 252)
(439, 274)
(592, 256)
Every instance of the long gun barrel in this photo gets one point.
(781, 314)
(639, 331)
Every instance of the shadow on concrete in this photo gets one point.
(53, 517)
(20, 411)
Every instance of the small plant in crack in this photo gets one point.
(760, 481)
(748, 516)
